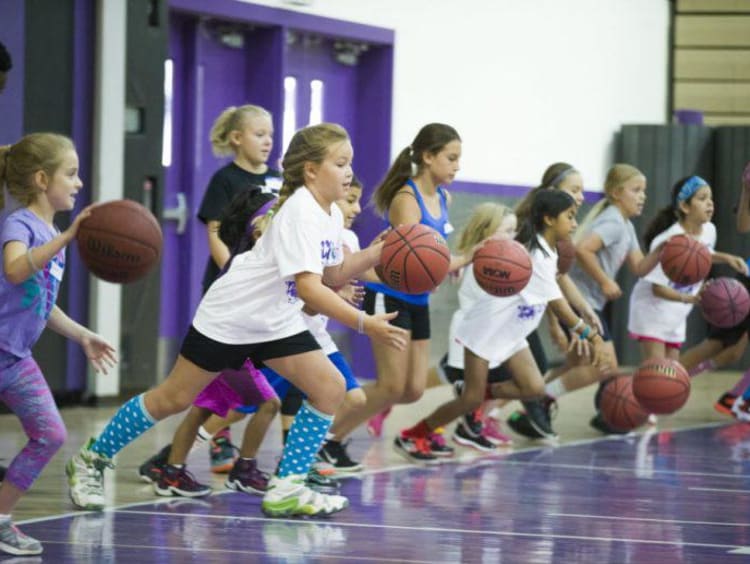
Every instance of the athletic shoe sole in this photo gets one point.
(171, 491)
(238, 486)
(408, 456)
(471, 444)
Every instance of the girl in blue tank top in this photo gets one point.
(439, 224)
(412, 192)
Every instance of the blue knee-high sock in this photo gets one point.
(129, 423)
(305, 437)
(746, 395)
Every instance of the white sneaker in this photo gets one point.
(85, 473)
(289, 496)
(740, 409)
(13, 541)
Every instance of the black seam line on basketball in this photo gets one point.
(87, 229)
(511, 261)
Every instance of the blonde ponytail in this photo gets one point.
(234, 118)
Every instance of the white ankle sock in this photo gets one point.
(555, 389)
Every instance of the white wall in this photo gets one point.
(525, 82)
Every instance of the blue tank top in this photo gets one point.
(439, 224)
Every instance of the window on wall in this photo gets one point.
(316, 102)
(289, 119)
(166, 139)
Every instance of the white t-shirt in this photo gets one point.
(651, 316)
(495, 328)
(317, 323)
(256, 299)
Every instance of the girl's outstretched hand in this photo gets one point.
(738, 264)
(352, 293)
(99, 352)
(378, 327)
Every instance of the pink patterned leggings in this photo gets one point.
(25, 391)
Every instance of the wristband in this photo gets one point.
(34, 267)
(578, 325)
(585, 333)
(361, 322)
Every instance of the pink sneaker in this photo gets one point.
(492, 431)
(375, 424)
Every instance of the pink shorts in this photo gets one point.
(235, 388)
(668, 344)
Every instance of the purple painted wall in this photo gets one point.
(12, 16)
(82, 134)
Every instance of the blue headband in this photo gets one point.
(691, 186)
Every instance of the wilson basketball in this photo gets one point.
(725, 302)
(566, 255)
(120, 241)
(661, 385)
(502, 267)
(415, 259)
(685, 260)
(619, 407)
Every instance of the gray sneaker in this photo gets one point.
(85, 473)
(13, 541)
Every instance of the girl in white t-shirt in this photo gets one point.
(254, 311)
(658, 306)
(494, 330)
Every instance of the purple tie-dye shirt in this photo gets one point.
(25, 307)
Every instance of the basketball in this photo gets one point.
(725, 302)
(415, 259)
(120, 241)
(502, 268)
(661, 385)
(566, 255)
(618, 405)
(685, 260)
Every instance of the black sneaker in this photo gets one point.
(519, 422)
(334, 453)
(151, 470)
(414, 450)
(598, 423)
(178, 481)
(3, 470)
(538, 415)
(465, 436)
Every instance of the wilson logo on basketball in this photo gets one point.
(495, 272)
(101, 249)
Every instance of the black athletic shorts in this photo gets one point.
(215, 356)
(412, 317)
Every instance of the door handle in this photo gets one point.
(178, 214)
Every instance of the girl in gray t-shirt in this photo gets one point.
(606, 240)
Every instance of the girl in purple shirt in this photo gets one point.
(41, 173)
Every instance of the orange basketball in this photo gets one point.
(566, 255)
(415, 259)
(502, 267)
(120, 241)
(685, 260)
(661, 385)
(619, 407)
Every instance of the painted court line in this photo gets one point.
(311, 554)
(647, 520)
(728, 490)
(452, 531)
